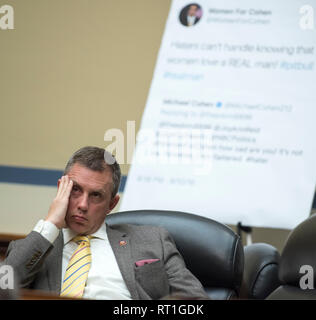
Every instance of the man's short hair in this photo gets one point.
(97, 159)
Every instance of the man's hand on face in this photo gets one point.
(58, 208)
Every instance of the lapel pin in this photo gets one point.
(123, 243)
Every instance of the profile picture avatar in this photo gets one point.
(190, 14)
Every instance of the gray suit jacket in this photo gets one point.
(38, 263)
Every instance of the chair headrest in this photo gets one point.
(211, 250)
(261, 271)
(299, 250)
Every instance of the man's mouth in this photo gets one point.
(79, 218)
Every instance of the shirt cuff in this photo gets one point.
(47, 229)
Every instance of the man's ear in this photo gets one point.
(113, 202)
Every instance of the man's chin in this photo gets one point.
(77, 227)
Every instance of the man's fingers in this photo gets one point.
(60, 186)
(64, 186)
(69, 187)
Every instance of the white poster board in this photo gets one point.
(228, 131)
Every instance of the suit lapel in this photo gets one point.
(54, 264)
(121, 246)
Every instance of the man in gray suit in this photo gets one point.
(127, 261)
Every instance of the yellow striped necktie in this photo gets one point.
(78, 268)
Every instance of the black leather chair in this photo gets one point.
(261, 269)
(211, 250)
(299, 250)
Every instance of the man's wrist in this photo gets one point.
(47, 229)
(55, 223)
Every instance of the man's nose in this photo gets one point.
(83, 202)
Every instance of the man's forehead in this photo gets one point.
(93, 179)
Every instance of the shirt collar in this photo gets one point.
(70, 234)
(101, 233)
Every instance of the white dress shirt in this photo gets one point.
(105, 281)
(191, 20)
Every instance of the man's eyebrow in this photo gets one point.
(75, 183)
(98, 191)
